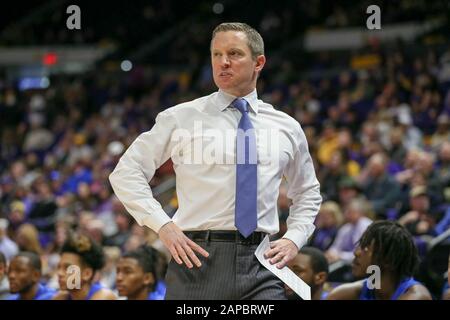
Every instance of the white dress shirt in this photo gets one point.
(206, 188)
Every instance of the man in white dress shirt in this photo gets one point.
(227, 196)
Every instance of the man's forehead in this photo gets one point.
(301, 259)
(236, 39)
(20, 261)
(128, 261)
(70, 256)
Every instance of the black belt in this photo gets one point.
(225, 236)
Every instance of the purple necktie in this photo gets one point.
(246, 177)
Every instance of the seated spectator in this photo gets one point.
(8, 247)
(413, 137)
(88, 256)
(124, 222)
(328, 221)
(108, 272)
(397, 150)
(327, 143)
(348, 235)
(349, 155)
(27, 238)
(425, 165)
(409, 167)
(137, 277)
(4, 284)
(390, 246)
(381, 190)
(24, 275)
(16, 215)
(419, 221)
(442, 133)
(42, 213)
(312, 267)
(332, 173)
(348, 190)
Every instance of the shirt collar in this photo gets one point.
(225, 99)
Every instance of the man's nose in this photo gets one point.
(224, 61)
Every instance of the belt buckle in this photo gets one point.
(249, 240)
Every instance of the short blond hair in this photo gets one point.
(254, 40)
(334, 208)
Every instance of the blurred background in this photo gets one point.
(374, 105)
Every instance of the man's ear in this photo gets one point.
(36, 275)
(320, 278)
(260, 62)
(149, 279)
(87, 274)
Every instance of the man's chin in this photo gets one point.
(224, 86)
(62, 286)
(358, 275)
(14, 288)
(122, 293)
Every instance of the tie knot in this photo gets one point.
(241, 104)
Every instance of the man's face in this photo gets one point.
(376, 168)
(21, 275)
(71, 259)
(131, 278)
(362, 260)
(352, 215)
(301, 266)
(420, 203)
(346, 194)
(234, 69)
(327, 219)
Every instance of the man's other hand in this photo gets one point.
(181, 247)
(281, 252)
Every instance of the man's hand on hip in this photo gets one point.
(281, 252)
(181, 247)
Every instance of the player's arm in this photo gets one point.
(348, 291)
(416, 292)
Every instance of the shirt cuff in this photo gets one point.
(297, 237)
(156, 220)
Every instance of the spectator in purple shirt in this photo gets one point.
(328, 222)
(348, 235)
